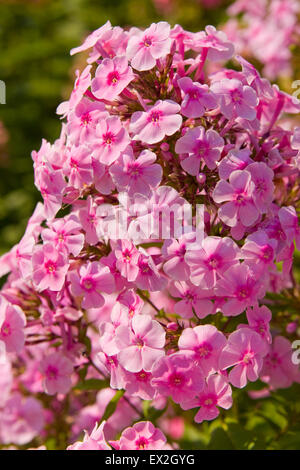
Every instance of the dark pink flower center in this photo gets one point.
(51, 372)
(243, 293)
(214, 262)
(108, 138)
(50, 266)
(141, 443)
(87, 283)
(85, 119)
(176, 379)
(142, 376)
(155, 116)
(147, 42)
(267, 253)
(204, 350)
(247, 357)
(209, 400)
(113, 78)
(6, 329)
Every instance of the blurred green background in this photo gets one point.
(36, 37)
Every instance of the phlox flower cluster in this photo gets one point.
(162, 319)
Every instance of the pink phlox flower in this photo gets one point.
(235, 99)
(127, 257)
(259, 320)
(12, 326)
(111, 77)
(142, 436)
(56, 370)
(90, 282)
(215, 42)
(209, 263)
(82, 83)
(65, 233)
(159, 120)
(175, 252)
(290, 225)
(149, 277)
(201, 147)
(216, 393)
(49, 267)
(110, 139)
(206, 343)
(89, 220)
(196, 98)
(234, 160)
(94, 441)
(141, 345)
(245, 350)
(145, 47)
(193, 299)
(262, 176)
(259, 251)
(177, 376)
(82, 121)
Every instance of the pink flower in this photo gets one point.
(141, 345)
(149, 277)
(174, 252)
(49, 267)
(289, 222)
(88, 219)
(215, 42)
(139, 384)
(65, 234)
(239, 194)
(259, 320)
(259, 251)
(141, 436)
(200, 145)
(153, 125)
(12, 325)
(193, 299)
(127, 259)
(177, 376)
(145, 47)
(136, 176)
(111, 77)
(278, 369)
(216, 393)
(92, 280)
(235, 99)
(22, 420)
(240, 288)
(210, 262)
(94, 441)
(206, 343)
(234, 160)
(78, 167)
(82, 121)
(110, 139)
(245, 350)
(262, 176)
(56, 370)
(92, 38)
(196, 98)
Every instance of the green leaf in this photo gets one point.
(111, 407)
(92, 384)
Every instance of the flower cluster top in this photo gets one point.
(169, 201)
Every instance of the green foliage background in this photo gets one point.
(35, 38)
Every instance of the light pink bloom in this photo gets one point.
(12, 327)
(145, 47)
(278, 370)
(234, 160)
(142, 436)
(88, 219)
(141, 345)
(139, 385)
(245, 351)
(136, 175)
(78, 167)
(174, 252)
(235, 99)
(22, 420)
(82, 121)
(205, 342)
(259, 251)
(262, 176)
(94, 441)
(153, 125)
(49, 267)
(240, 288)
(259, 320)
(65, 234)
(110, 139)
(56, 370)
(200, 146)
(111, 77)
(239, 194)
(193, 299)
(217, 393)
(196, 98)
(212, 260)
(290, 224)
(148, 277)
(90, 282)
(177, 376)
(127, 259)
(215, 42)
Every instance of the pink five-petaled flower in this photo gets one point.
(111, 77)
(177, 376)
(259, 320)
(93, 279)
(214, 257)
(239, 288)
(56, 370)
(201, 147)
(196, 98)
(141, 345)
(205, 342)
(110, 139)
(127, 259)
(262, 176)
(153, 125)
(94, 441)
(141, 436)
(12, 325)
(136, 176)
(145, 47)
(217, 392)
(235, 99)
(193, 300)
(49, 267)
(65, 234)
(245, 351)
(238, 197)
